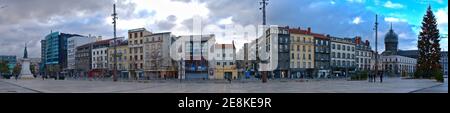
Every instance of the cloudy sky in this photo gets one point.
(29, 21)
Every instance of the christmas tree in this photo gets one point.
(428, 65)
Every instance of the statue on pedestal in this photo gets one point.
(25, 73)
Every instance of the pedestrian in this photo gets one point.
(17, 76)
(381, 78)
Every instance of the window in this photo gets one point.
(218, 63)
(338, 47)
(333, 46)
(130, 36)
(292, 55)
(309, 56)
(141, 34)
(224, 63)
(333, 55)
(304, 57)
(304, 49)
(140, 41)
(135, 35)
(231, 63)
(298, 48)
(142, 58)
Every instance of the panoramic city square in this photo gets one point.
(192, 46)
(390, 85)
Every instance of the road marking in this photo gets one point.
(22, 87)
(416, 91)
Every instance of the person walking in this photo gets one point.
(381, 78)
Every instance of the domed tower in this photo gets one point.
(391, 43)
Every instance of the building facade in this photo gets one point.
(83, 60)
(322, 58)
(444, 62)
(301, 53)
(363, 54)
(225, 60)
(100, 57)
(277, 47)
(122, 59)
(342, 56)
(396, 65)
(56, 53)
(72, 44)
(196, 60)
(136, 51)
(157, 61)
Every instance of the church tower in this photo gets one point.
(391, 43)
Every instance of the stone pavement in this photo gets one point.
(390, 85)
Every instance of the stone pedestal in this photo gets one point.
(25, 73)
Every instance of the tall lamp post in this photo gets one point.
(376, 49)
(114, 15)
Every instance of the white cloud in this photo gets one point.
(442, 16)
(226, 21)
(393, 19)
(165, 8)
(389, 4)
(356, 1)
(357, 20)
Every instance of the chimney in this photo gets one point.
(299, 28)
(309, 30)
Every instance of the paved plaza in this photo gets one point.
(390, 85)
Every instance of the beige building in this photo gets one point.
(136, 51)
(121, 59)
(301, 53)
(225, 59)
(157, 60)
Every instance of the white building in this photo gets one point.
(72, 44)
(100, 54)
(396, 64)
(342, 56)
(157, 60)
(363, 54)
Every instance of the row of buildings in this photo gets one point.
(301, 53)
(284, 52)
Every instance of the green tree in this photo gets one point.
(32, 69)
(429, 48)
(4, 67)
(16, 70)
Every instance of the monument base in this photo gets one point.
(26, 77)
(25, 73)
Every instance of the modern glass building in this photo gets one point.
(55, 52)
